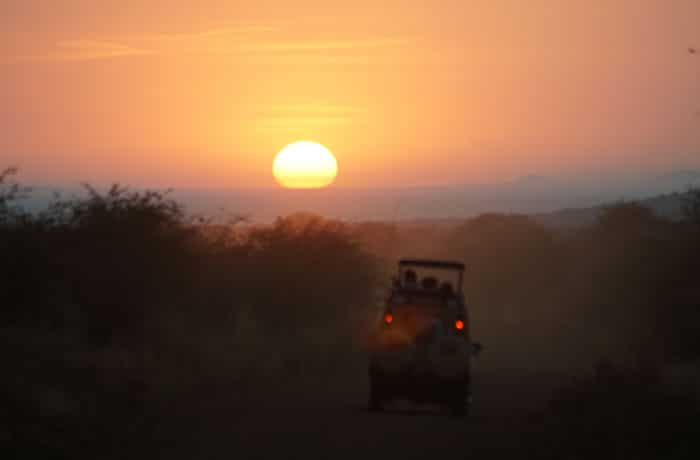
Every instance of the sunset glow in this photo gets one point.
(203, 94)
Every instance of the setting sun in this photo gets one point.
(305, 164)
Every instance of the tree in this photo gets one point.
(511, 263)
(628, 220)
(10, 192)
(691, 205)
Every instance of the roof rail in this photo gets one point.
(431, 263)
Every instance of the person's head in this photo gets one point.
(429, 282)
(446, 288)
(410, 277)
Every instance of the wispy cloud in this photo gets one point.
(310, 110)
(264, 46)
(297, 46)
(308, 115)
(87, 50)
(262, 40)
(221, 32)
(303, 122)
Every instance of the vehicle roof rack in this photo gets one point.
(429, 263)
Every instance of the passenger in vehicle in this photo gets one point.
(410, 279)
(446, 289)
(429, 283)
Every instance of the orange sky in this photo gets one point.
(182, 93)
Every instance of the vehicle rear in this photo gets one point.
(421, 349)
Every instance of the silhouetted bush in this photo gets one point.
(691, 206)
(308, 273)
(614, 413)
(129, 305)
(624, 287)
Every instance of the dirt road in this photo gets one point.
(337, 425)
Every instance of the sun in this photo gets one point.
(305, 164)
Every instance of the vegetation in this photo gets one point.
(624, 288)
(117, 305)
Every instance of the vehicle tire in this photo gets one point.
(460, 402)
(377, 395)
(375, 404)
(459, 409)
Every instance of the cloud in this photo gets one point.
(221, 44)
(260, 40)
(311, 110)
(304, 122)
(297, 117)
(297, 46)
(86, 50)
(210, 33)
(306, 116)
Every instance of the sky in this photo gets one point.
(204, 94)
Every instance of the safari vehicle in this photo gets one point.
(421, 350)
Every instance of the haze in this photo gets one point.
(204, 94)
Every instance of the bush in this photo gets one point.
(613, 414)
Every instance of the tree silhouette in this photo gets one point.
(691, 205)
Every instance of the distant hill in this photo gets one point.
(554, 201)
(669, 206)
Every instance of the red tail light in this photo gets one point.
(459, 325)
(388, 318)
